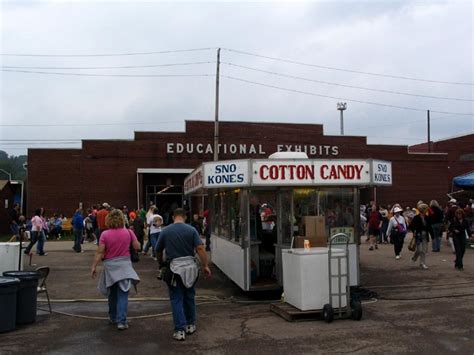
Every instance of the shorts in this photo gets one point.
(374, 231)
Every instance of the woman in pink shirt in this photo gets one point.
(36, 234)
(118, 275)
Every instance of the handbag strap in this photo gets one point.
(396, 220)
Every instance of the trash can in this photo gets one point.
(26, 295)
(8, 291)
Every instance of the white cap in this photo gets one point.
(453, 200)
(397, 209)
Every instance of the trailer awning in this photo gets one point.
(465, 181)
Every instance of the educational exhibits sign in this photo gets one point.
(243, 149)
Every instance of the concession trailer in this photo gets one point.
(259, 207)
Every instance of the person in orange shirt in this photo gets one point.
(101, 215)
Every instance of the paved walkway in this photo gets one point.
(419, 311)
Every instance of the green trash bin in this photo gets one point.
(26, 295)
(8, 291)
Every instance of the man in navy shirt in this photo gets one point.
(182, 240)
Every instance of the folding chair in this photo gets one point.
(42, 288)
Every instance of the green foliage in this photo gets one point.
(14, 165)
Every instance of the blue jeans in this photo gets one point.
(437, 236)
(36, 237)
(118, 304)
(183, 306)
(40, 245)
(77, 240)
(152, 242)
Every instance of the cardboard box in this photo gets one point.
(314, 226)
(317, 241)
(320, 225)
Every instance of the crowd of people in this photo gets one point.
(426, 222)
(120, 233)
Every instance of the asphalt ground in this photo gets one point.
(416, 311)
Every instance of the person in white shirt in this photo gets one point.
(154, 222)
(396, 231)
(36, 234)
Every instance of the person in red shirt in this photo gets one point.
(101, 215)
(375, 223)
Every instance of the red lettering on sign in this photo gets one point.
(323, 170)
(359, 170)
(284, 172)
(341, 172)
(274, 172)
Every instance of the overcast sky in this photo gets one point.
(430, 40)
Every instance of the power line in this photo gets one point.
(347, 70)
(110, 75)
(345, 85)
(110, 67)
(107, 55)
(398, 123)
(85, 124)
(37, 143)
(40, 140)
(345, 99)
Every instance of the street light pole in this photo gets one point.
(6, 172)
(342, 106)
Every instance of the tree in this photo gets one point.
(12, 164)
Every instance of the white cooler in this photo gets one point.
(306, 278)
(9, 256)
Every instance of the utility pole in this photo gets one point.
(429, 133)
(216, 116)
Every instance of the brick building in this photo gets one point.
(153, 165)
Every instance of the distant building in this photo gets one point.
(152, 166)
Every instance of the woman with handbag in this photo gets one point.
(460, 232)
(421, 228)
(118, 275)
(396, 231)
(436, 221)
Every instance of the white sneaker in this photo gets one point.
(190, 329)
(122, 326)
(423, 266)
(397, 257)
(179, 335)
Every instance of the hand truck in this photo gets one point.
(353, 308)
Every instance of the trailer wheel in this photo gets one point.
(328, 313)
(356, 310)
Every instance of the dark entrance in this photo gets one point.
(165, 191)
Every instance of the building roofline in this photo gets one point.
(444, 139)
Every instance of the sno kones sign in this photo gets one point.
(271, 172)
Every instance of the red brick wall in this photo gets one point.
(455, 147)
(105, 171)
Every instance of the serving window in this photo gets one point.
(228, 215)
(335, 204)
